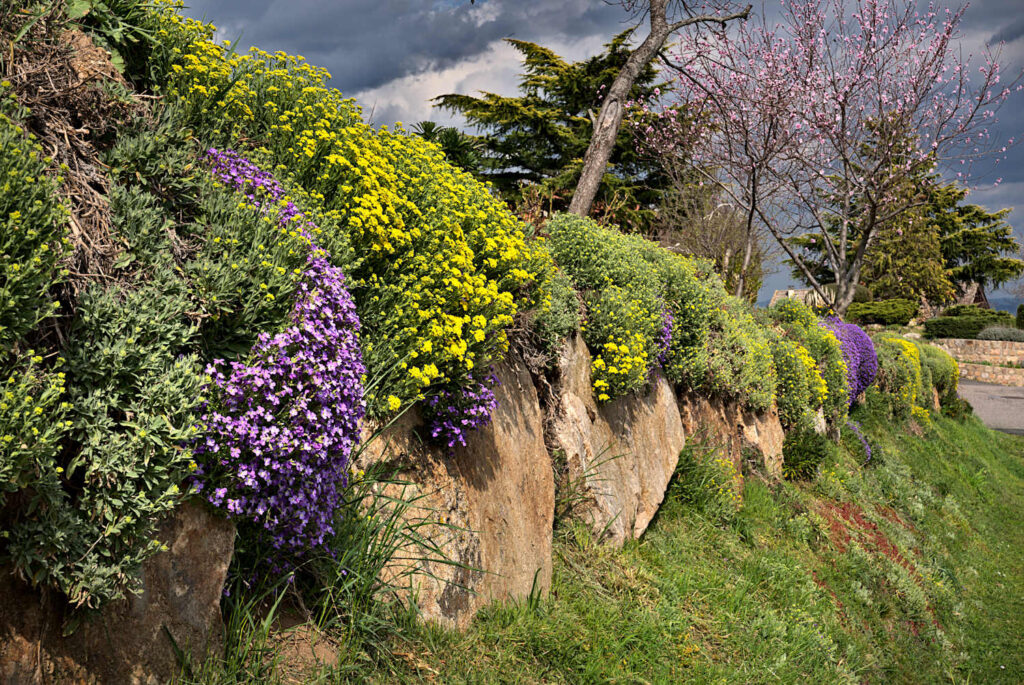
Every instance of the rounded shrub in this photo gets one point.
(896, 312)
(1001, 333)
(799, 323)
(943, 369)
(858, 353)
(899, 373)
(801, 389)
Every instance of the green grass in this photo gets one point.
(929, 586)
(907, 569)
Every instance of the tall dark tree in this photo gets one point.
(540, 135)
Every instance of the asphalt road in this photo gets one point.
(999, 406)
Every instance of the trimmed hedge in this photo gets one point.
(897, 312)
(1020, 316)
(965, 326)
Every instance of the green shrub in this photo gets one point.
(740, 359)
(899, 374)
(801, 325)
(557, 321)
(801, 389)
(93, 505)
(966, 325)
(803, 451)
(897, 312)
(714, 343)
(33, 223)
(621, 331)
(1020, 316)
(1001, 333)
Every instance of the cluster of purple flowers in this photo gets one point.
(664, 340)
(856, 430)
(451, 414)
(859, 354)
(277, 441)
(259, 186)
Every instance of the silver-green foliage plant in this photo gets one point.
(91, 510)
(1002, 333)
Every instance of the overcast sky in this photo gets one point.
(393, 56)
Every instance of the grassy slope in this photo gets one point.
(908, 570)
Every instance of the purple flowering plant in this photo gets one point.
(859, 354)
(452, 414)
(277, 437)
(856, 429)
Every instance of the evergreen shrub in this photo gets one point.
(799, 323)
(896, 312)
(966, 324)
(1020, 316)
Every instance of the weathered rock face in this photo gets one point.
(495, 497)
(619, 457)
(736, 430)
(127, 642)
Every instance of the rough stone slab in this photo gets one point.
(619, 457)
(126, 642)
(727, 425)
(495, 496)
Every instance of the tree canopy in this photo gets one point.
(540, 135)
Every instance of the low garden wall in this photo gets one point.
(988, 373)
(984, 351)
(987, 361)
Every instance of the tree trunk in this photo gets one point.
(613, 109)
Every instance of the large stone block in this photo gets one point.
(737, 431)
(619, 457)
(488, 506)
(129, 641)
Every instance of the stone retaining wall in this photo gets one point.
(1000, 375)
(986, 351)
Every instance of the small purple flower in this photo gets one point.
(451, 414)
(859, 354)
(277, 437)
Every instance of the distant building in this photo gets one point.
(807, 296)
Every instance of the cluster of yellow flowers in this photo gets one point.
(725, 481)
(440, 265)
(911, 357)
(622, 352)
(801, 388)
(31, 420)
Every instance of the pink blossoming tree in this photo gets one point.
(815, 124)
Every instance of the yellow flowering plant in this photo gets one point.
(441, 266)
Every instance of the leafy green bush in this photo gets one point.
(740, 360)
(1001, 333)
(800, 324)
(561, 317)
(945, 371)
(33, 223)
(801, 389)
(1020, 316)
(661, 308)
(899, 374)
(861, 293)
(803, 451)
(967, 324)
(621, 330)
(897, 312)
(93, 505)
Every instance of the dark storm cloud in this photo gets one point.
(367, 43)
(1011, 32)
